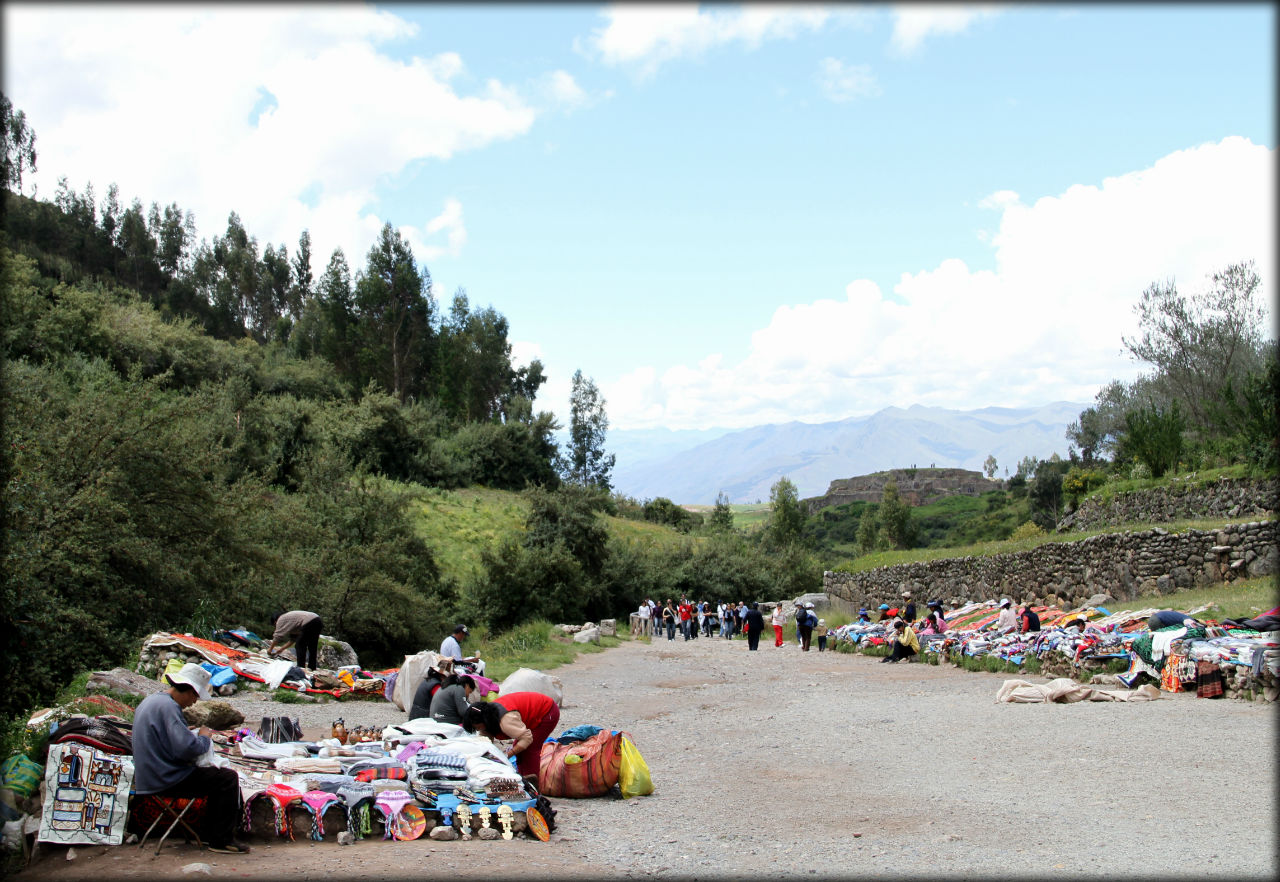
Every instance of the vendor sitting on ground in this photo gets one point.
(524, 718)
(1078, 623)
(300, 627)
(435, 679)
(450, 704)
(165, 752)
(884, 612)
(1007, 622)
(1028, 621)
(934, 623)
(864, 617)
(451, 647)
(1169, 618)
(905, 643)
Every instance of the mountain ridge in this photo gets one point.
(746, 463)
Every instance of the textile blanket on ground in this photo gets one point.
(250, 665)
(87, 795)
(1064, 690)
(594, 774)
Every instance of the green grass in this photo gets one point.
(1226, 600)
(1008, 546)
(1108, 491)
(532, 645)
(459, 524)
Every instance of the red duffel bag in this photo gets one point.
(594, 775)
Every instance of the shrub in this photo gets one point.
(1029, 530)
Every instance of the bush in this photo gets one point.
(1029, 530)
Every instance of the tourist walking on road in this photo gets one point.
(805, 624)
(821, 633)
(669, 620)
(778, 620)
(686, 616)
(753, 622)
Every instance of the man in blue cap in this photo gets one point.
(884, 612)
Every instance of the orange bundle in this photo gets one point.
(594, 769)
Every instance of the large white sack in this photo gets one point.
(412, 670)
(529, 680)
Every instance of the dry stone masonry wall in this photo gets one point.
(1226, 497)
(1121, 565)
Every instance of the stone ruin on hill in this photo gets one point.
(915, 487)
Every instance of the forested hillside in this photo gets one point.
(199, 433)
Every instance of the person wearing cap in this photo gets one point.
(1007, 621)
(451, 647)
(905, 643)
(806, 625)
(934, 623)
(779, 620)
(864, 617)
(165, 752)
(885, 614)
(908, 610)
(301, 627)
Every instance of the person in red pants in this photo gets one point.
(526, 719)
(778, 620)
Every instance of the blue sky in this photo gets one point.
(727, 215)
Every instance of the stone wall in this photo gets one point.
(915, 487)
(1066, 574)
(1225, 497)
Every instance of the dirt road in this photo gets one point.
(781, 763)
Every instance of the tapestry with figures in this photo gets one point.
(86, 795)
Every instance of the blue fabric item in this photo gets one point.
(222, 674)
(1102, 609)
(578, 733)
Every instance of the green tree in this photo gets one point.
(587, 463)
(895, 518)
(1198, 344)
(1045, 492)
(786, 520)
(989, 466)
(19, 146)
(1153, 436)
(395, 310)
(722, 514)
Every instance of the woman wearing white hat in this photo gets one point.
(1007, 622)
(165, 753)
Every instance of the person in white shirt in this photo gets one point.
(451, 647)
(778, 620)
(645, 614)
(1008, 620)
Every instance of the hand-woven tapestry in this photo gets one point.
(86, 795)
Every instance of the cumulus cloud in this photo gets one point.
(844, 82)
(914, 23)
(290, 115)
(646, 36)
(1043, 325)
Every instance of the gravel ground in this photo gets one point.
(782, 763)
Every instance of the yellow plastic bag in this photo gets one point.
(174, 665)
(633, 775)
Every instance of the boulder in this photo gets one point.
(334, 654)
(819, 601)
(609, 627)
(123, 680)
(591, 635)
(214, 714)
(1098, 600)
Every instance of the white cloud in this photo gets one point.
(174, 122)
(646, 36)
(1044, 325)
(841, 82)
(913, 23)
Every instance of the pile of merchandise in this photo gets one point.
(1178, 658)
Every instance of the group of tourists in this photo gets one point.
(693, 617)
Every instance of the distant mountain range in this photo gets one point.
(694, 466)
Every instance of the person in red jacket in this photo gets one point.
(526, 719)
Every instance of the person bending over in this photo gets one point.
(165, 753)
(526, 719)
(300, 627)
(905, 643)
(450, 704)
